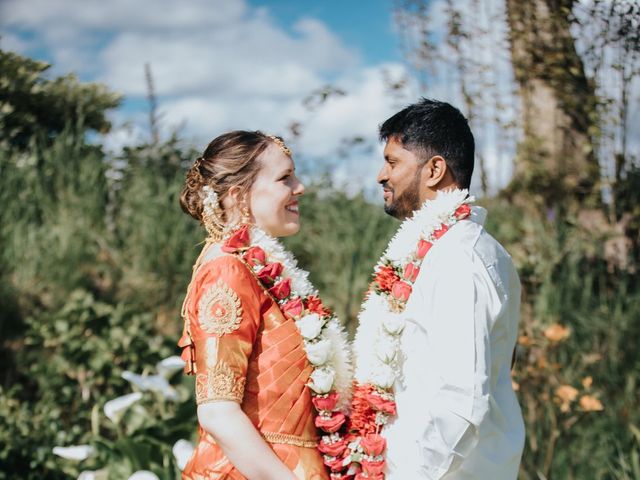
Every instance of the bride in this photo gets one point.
(272, 372)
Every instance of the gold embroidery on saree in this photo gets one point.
(219, 383)
(220, 310)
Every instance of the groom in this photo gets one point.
(437, 331)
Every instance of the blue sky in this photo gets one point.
(220, 65)
(250, 64)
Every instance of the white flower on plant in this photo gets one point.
(393, 323)
(88, 475)
(182, 451)
(114, 409)
(74, 452)
(383, 376)
(318, 352)
(385, 349)
(153, 383)
(310, 326)
(321, 380)
(170, 365)
(143, 475)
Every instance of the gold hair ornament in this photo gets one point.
(278, 141)
(212, 214)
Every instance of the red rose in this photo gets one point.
(314, 305)
(325, 402)
(463, 211)
(335, 464)
(380, 404)
(255, 256)
(269, 273)
(401, 291)
(411, 272)
(386, 278)
(335, 449)
(373, 444)
(330, 424)
(373, 468)
(423, 248)
(293, 308)
(441, 231)
(282, 289)
(361, 476)
(237, 241)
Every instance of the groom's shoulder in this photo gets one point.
(474, 240)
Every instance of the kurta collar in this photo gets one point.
(478, 215)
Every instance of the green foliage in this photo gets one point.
(66, 362)
(32, 106)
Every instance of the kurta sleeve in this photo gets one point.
(458, 324)
(224, 320)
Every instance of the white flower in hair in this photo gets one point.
(209, 200)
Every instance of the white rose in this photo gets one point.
(318, 353)
(321, 380)
(386, 349)
(114, 409)
(74, 452)
(393, 323)
(383, 376)
(310, 326)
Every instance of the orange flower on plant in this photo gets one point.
(525, 341)
(587, 381)
(556, 332)
(566, 394)
(590, 404)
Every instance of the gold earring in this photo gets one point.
(246, 214)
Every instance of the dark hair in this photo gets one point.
(430, 128)
(229, 160)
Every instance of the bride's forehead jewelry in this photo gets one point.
(278, 141)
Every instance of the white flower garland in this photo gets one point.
(377, 341)
(325, 341)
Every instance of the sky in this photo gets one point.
(232, 64)
(219, 65)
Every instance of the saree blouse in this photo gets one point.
(241, 348)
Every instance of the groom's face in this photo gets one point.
(400, 179)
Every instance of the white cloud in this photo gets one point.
(218, 66)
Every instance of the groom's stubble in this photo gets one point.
(408, 200)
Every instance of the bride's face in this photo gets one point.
(273, 198)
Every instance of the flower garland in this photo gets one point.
(324, 339)
(377, 342)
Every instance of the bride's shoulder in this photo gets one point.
(224, 266)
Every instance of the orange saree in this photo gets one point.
(242, 348)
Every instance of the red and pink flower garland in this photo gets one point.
(313, 319)
(373, 401)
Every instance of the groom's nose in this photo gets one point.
(383, 175)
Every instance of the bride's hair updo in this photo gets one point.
(229, 160)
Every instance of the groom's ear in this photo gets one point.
(434, 171)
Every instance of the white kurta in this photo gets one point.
(458, 417)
